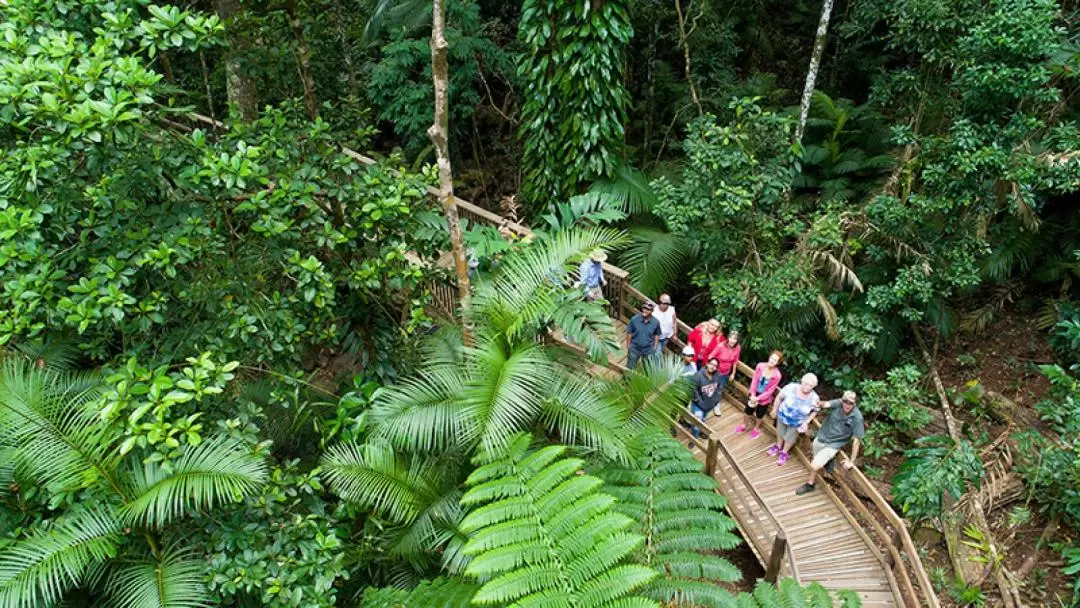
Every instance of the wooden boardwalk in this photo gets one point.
(826, 544)
(856, 542)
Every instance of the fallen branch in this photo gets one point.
(1010, 594)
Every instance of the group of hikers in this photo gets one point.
(710, 360)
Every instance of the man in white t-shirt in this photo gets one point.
(665, 313)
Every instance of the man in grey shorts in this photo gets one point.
(843, 423)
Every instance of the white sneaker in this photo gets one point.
(716, 411)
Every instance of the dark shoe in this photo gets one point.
(830, 466)
(804, 489)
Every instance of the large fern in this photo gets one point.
(789, 594)
(543, 535)
(441, 592)
(677, 509)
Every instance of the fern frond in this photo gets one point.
(541, 534)
(217, 471)
(35, 571)
(423, 413)
(174, 581)
(681, 516)
(441, 592)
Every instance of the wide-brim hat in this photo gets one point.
(598, 255)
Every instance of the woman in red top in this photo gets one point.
(705, 338)
(727, 354)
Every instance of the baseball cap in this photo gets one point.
(688, 350)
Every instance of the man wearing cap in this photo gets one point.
(844, 423)
(591, 276)
(642, 335)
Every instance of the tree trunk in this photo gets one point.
(439, 134)
(815, 65)
(684, 40)
(239, 85)
(304, 54)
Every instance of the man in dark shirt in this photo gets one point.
(642, 335)
(843, 423)
(707, 391)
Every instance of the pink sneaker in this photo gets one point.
(782, 460)
(754, 434)
(773, 450)
(740, 429)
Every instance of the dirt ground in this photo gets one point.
(1004, 360)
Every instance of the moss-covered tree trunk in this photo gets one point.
(239, 85)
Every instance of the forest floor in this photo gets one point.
(1004, 359)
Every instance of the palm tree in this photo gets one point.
(117, 535)
(513, 378)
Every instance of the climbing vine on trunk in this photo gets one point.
(572, 122)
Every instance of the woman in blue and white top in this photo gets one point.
(793, 410)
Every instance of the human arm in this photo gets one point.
(777, 402)
(850, 462)
(813, 414)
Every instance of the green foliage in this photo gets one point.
(934, 467)
(789, 593)
(400, 83)
(682, 518)
(442, 592)
(281, 548)
(898, 399)
(1051, 473)
(1072, 568)
(106, 503)
(967, 595)
(539, 533)
(572, 121)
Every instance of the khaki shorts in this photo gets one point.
(822, 455)
(787, 434)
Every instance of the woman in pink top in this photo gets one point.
(705, 338)
(762, 390)
(727, 354)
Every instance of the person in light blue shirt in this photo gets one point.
(689, 368)
(793, 410)
(591, 275)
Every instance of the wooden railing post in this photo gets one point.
(710, 457)
(779, 547)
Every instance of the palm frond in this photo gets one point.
(36, 570)
(217, 471)
(542, 534)
(46, 416)
(423, 414)
(630, 187)
(507, 390)
(373, 476)
(174, 581)
(681, 516)
(650, 396)
(593, 208)
(655, 258)
(521, 298)
(60, 355)
(576, 414)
